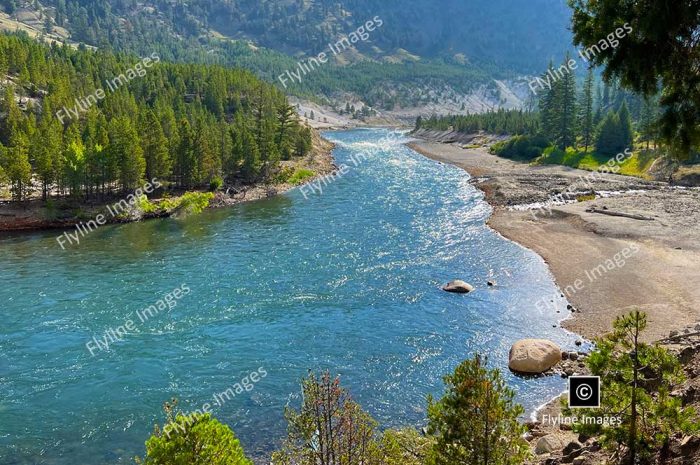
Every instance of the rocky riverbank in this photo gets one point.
(613, 243)
(604, 264)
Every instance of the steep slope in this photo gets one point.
(419, 52)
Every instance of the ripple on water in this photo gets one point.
(348, 280)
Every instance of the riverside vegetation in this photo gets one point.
(189, 126)
(646, 104)
(476, 422)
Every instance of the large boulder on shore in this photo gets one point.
(548, 444)
(458, 286)
(533, 356)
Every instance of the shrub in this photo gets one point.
(193, 440)
(145, 205)
(301, 175)
(188, 203)
(524, 147)
(216, 184)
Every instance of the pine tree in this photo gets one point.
(74, 160)
(565, 109)
(125, 146)
(46, 147)
(17, 168)
(155, 147)
(286, 118)
(476, 421)
(185, 159)
(637, 380)
(207, 162)
(587, 111)
(626, 131)
(608, 140)
(328, 429)
(12, 116)
(419, 122)
(547, 104)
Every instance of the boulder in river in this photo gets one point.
(458, 286)
(533, 356)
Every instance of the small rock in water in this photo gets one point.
(458, 286)
(491, 283)
(579, 343)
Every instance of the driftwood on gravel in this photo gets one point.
(624, 215)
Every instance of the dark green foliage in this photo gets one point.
(626, 130)
(558, 109)
(614, 136)
(501, 122)
(476, 421)
(660, 48)
(586, 108)
(565, 122)
(525, 147)
(637, 380)
(189, 124)
(457, 46)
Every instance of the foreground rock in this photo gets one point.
(533, 356)
(458, 286)
(548, 444)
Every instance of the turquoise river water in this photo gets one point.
(347, 279)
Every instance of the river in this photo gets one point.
(347, 279)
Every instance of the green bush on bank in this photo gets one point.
(525, 147)
(188, 203)
(193, 440)
(301, 175)
(294, 176)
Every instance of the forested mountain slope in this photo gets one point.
(87, 123)
(456, 45)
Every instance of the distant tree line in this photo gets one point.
(582, 116)
(191, 125)
(573, 117)
(500, 122)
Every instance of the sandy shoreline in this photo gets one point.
(605, 265)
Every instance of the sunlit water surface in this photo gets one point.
(348, 280)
